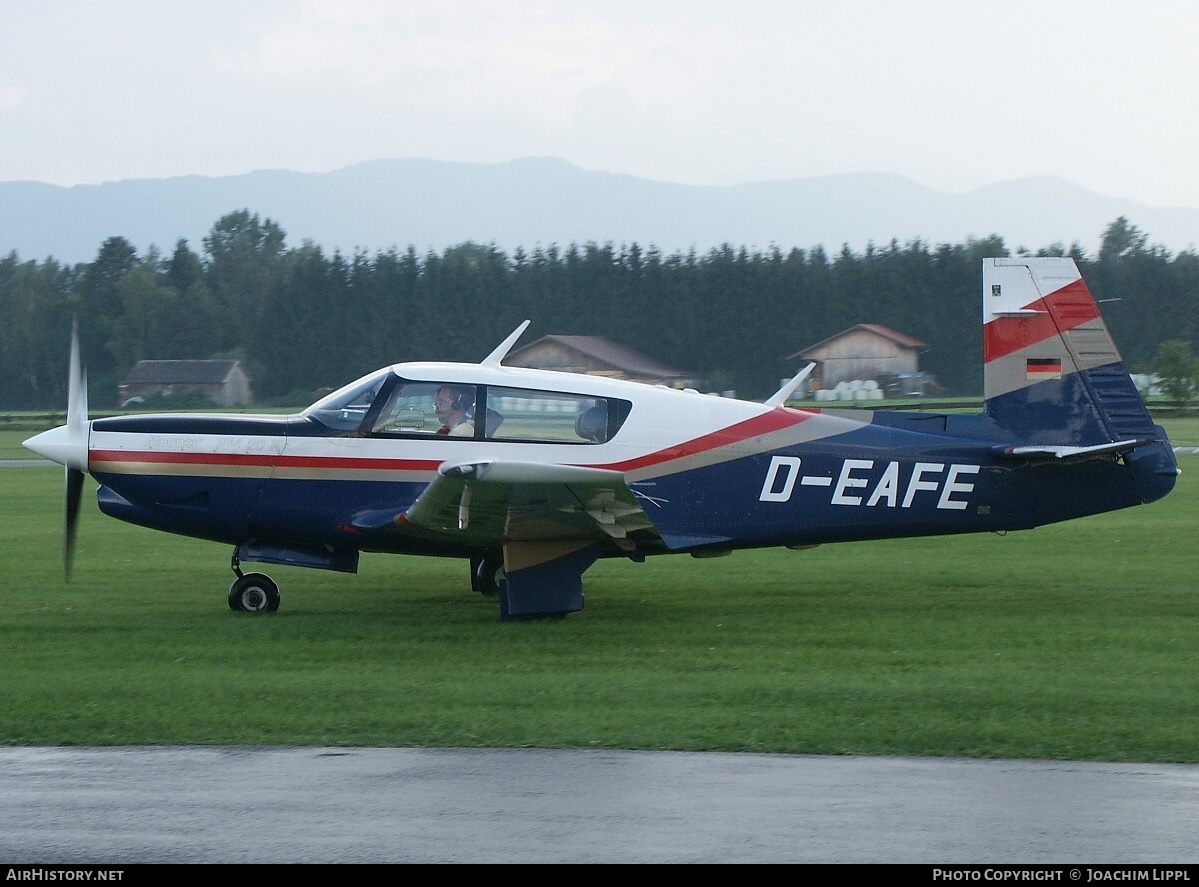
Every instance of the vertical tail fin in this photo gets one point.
(1052, 373)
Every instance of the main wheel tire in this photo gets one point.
(254, 593)
(489, 575)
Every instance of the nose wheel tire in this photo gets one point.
(254, 593)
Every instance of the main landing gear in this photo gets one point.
(486, 574)
(252, 592)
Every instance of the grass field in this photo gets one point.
(1075, 641)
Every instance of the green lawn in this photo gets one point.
(1075, 641)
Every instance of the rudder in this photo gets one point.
(1052, 373)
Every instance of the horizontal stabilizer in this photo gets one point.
(1056, 452)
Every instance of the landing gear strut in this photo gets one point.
(252, 592)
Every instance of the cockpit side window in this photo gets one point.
(428, 408)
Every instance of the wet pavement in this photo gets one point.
(326, 805)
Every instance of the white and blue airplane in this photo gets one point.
(533, 475)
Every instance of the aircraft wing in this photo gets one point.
(499, 501)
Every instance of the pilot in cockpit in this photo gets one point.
(454, 405)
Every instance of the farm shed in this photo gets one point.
(864, 351)
(224, 382)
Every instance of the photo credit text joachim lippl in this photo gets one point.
(1070, 874)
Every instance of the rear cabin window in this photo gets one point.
(555, 417)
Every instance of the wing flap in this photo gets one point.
(493, 502)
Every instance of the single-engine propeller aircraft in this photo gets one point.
(532, 475)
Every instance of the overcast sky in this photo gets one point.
(954, 94)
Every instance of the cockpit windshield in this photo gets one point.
(345, 408)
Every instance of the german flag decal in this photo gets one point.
(1040, 368)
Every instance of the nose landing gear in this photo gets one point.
(252, 592)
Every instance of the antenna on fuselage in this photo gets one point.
(780, 397)
(493, 359)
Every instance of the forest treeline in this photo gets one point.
(302, 320)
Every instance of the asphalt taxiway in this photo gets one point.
(123, 806)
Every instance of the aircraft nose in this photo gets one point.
(62, 446)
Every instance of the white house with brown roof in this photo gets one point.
(598, 356)
(224, 382)
(864, 351)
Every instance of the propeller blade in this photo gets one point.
(71, 522)
(77, 434)
(77, 424)
(67, 445)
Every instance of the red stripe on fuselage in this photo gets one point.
(775, 420)
(245, 460)
(1067, 308)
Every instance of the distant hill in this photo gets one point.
(535, 202)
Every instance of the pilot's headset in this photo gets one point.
(462, 402)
